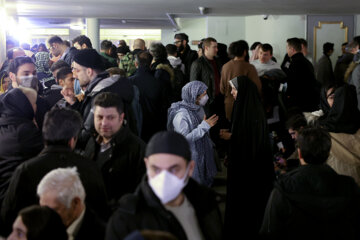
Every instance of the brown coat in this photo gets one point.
(230, 70)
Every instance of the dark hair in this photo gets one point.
(109, 99)
(182, 36)
(295, 122)
(266, 47)
(123, 49)
(143, 58)
(55, 39)
(171, 49)
(303, 42)
(60, 125)
(19, 61)
(254, 45)
(294, 43)
(344, 44)
(122, 43)
(81, 40)
(25, 46)
(207, 42)
(200, 45)
(314, 145)
(63, 72)
(106, 44)
(158, 51)
(42, 45)
(328, 47)
(237, 49)
(116, 71)
(58, 64)
(357, 39)
(43, 223)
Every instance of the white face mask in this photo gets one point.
(203, 100)
(167, 186)
(28, 81)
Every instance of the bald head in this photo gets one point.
(139, 44)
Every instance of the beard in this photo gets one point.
(180, 49)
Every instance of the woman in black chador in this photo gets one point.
(250, 168)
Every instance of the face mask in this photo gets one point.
(28, 81)
(167, 186)
(203, 100)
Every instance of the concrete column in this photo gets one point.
(93, 32)
(2, 32)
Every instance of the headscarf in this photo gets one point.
(42, 67)
(344, 115)
(203, 155)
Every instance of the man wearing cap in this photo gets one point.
(168, 199)
(89, 69)
(188, 56)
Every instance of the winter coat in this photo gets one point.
(122, 166)
(22, 189)
(20, 138)
(143, 210)
(187, 58)
(313, 201)
(324, 71)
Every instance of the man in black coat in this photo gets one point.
(313, 200)
(89, 69)
(60, 131)
(62, 190)
(167, 199)
(117, 152)
(303, 91)
(59, 48)
(188, 56)
(151, 96)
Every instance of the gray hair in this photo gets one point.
(65, 182)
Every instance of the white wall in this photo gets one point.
(357, 25)
(195, 28)
(275, 30)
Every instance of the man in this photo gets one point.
(150, 96)
(11, 54)
(59, 49)
(179, 72)
(313, 200)
(20, 138)
(264, 62)
(64, 77)
(117, 152)
(343, 63)
(207, 69)
(106, 52)
(60, 130)
(82, 42)
(55, 67)
(62, 190)
(22, 72)
(127, 62)
(303, 91)
(188, 56)
(89, 69)
(168, 199)
(324, 69)
(353, 72)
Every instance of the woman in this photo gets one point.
(250, 168)
(187, 117)
(38, 223)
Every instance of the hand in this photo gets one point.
(225, 134)
(211, 120)
(69, 95)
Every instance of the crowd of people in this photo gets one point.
(127, 144)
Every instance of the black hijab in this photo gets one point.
(344, 115)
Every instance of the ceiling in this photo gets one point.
(153, 13)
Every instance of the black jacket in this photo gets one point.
(153, 111)
(69, 57)
(92, 227)
(143, 210)
(303, 90)
(122, 166)
(187, 58)
(20, 139)
(313, 201)
(22, 189)
(103, 83)
(202, 70)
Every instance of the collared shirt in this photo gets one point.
(67, 50)
(73, 229)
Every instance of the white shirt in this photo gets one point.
(185, 214)
(261, 68)
(74, 227)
